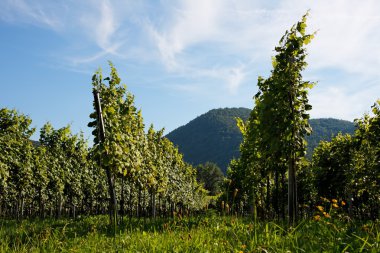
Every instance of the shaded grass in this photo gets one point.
(207, 233)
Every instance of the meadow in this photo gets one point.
(209, 232)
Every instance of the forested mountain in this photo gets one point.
(212, 137)
(324, 129)
(215, 137)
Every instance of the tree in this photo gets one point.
(283, 98)
(60, 176)
(40, 174)
(333, 167)
(210, 175)
(112, 149)
(367, 163)
(274, 136)
(16, 160)
(348, 167)
(63, 157)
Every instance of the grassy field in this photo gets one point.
(206, 233)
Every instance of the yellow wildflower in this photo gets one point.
(320, 208)
(243, 246)
(365, 228)
(317, 217)
(324, 199)
(334, 201)
(235, 192)
(227, 208)
(326, 215)
(343, 203)
(335, 205)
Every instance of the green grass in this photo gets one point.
(209, 233)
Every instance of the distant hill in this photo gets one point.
(214, 136)
(35, 143)
(325, 129)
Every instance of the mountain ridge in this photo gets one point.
(214, 136)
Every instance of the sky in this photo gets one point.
(181, 58)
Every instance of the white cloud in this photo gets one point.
(101, 23)
(236, 76)
(347, 38)
(195, 24)
(22, 11)
(342, 102)
(220, 41)
(204, 38)
(191, 22)
(86, 59)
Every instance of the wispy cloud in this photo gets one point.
(199, 39)
(36, 13)
(191, 22)
(347, 38)
(236, 76)
(341, 102)
(101, 24)
(219, 41)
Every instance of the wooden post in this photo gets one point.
(292, 183)
(102, 136)
(100, 121)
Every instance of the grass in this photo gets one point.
(206, 233)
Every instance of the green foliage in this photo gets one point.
(274, 135)
(61, 177)
(16, 160)
(212, 178)
(44, 178)
(335, 158)
(348, 167)
(124, 128)
(61, 167)
(143, 165)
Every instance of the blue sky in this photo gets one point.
(180, 58)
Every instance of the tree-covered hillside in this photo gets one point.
(214, 136)
(325, 129)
